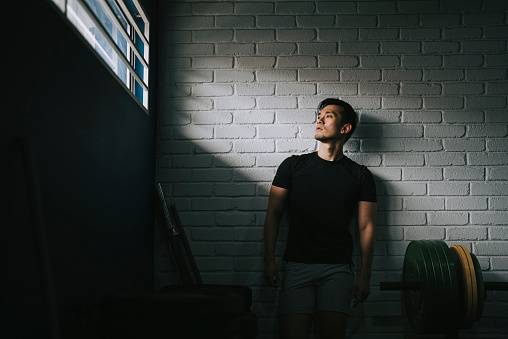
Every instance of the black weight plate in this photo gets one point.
(480, 286)
(443, 309)
(436, 323)
(452, 292)
(417, 302)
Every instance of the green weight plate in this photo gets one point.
(417, 303)
(480, 286)
(436, 323)
(451, 284)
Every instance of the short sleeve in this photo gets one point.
(368, 186)
(284, 175)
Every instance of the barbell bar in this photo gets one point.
(443, 287)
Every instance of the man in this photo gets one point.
(320, 192)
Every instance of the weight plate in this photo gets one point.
(450, 284)
(436, 323)
(474, 290)
(467, 293)
(417, 302)
(480, 287)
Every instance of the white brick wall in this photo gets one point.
(239, 84)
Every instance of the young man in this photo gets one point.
(320, 192)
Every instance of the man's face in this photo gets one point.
(328, 124)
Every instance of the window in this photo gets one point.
(118, 31)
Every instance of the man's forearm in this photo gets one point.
(367, 240)
(271, 233)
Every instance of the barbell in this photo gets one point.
(443, 287)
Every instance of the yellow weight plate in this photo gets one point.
(465, 277)
(474, 289)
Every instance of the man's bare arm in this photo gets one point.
(276, 205)
(367, 227)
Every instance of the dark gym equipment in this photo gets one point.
(189, 310)
(443, 288)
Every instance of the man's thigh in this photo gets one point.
(332, 324)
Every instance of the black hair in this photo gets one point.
(348, 115)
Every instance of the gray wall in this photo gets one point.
(239, 83)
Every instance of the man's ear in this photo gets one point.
(346, 128)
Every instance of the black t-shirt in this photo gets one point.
(322, 199)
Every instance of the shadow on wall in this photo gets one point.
(222, 198)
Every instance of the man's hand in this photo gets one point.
(272, 277)
(361, 290)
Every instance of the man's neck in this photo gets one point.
(331, 151)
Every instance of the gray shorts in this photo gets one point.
(307, 287)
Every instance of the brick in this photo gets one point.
(446, 159)
(212, 8)
(398, 20)
(277, 75)
(212, 35)
(248, 234)
(487, 159)
(214, 264)
(276, 21)
(211, 146)
(235, 103)
(358, 47)
(296, 61)
(489, 46)
(270, 160)
(406, 218)
(443, 75)
(234, 76)
(378, 89)
(400, 47)
(192, 76)
(462, 116)
(444, 131)
(487, 130)
(379, 34)
(498, 233)
(403, 131)
(496, 60)
(235, 190)
(419, 6)
(421, 116)
(335, 34)
(208, 204)
(405, 188)
(211, 90)
(441, 47)
(402, 75)
(292, 146)
(464, 145)
(234, 218)
(490, 248)
(197, 132)
(489, 189)
(381, 61)
(497, 88)
(421, 174)
(317, 47)
(387, 174)
(254, 62)
(497, 173)
(420, 34)
(276, 102)
(377, 7)
(255, 89)
(296, 89)
(402, 103)
(296, 35)
(496, 116)
(485, 102)
(466, 233)
(466, 203)
(318, 75)
(234, 49)
(315, 21)
(211, 175)
(234, 160)
(234, 21)
(254, 117)
(448, 218)
(255, 146)
(464, 173)
(276, 132)
(449, 189)
(336, 7)
(254, 8)
(254, 35)
(193, 49)
(234, 249)
(404, 159)
(497, 145)
(463, 60)
(192, 190)
(297, 117)
(422, 61)
(192, 22)
(466, 88)
(423, 204)
(461, 33)
(500, 263)
(425, 233)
